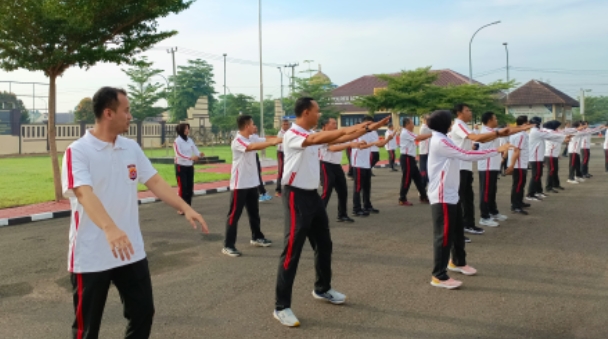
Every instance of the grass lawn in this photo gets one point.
(29, 180)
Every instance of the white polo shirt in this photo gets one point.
(302, 167)
(373, 137)
(329, 156)
(520, 140)
(586, 140)
(113, 171)
(407, 143)
(493, 163)
(537, 139)
(606, 140)
(244, 172)
(391, 145)
(280, 135)
(460, 130)
(444, 168)
(361, 158)
(184, 150)
(423, 145)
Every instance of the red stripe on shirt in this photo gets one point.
(463, 129)
(299, 133)
(467, 152)
(68, 154)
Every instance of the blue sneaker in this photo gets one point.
(267, 197)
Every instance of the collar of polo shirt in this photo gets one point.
(100, 144)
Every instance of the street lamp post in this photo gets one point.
(470, 43)
(261, 76)
(280, 70)
(507, 51)
(582, 108)
(225, 83)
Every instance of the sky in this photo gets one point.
(559, 41)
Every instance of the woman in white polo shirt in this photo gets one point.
(100, 174)
(186, 153)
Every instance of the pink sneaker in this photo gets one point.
(466, 270)
(449, 284)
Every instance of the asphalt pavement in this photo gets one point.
(544, 275)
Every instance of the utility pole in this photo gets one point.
(225, 84)
(293, 72)
(281, 71)
(507, 51)
(172, 50)
(261, 77)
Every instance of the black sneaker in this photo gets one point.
(345, 218)
(552, 191)
(525, 204)
(467, 240)
(360, 213)
(424, 201)
(261, 242)
(372, 210)
(231, 251)
(588, 176)
(519, 211)
(560, 188)
(474, 230)
(394, 170)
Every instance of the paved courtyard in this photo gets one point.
(540, 276)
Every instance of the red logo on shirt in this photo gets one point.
(132, 172)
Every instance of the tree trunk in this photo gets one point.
(51, 136)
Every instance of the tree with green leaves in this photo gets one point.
(414, 93)
(84, 111)
(596, 110)
(191, 82)
(235, 104)
(319, 89)
(16, 103)
(143, 93)
(54, 35)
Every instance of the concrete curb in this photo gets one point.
(66, 213)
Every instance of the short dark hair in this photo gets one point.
(181, 128)
(487, 116)
(303, 104)
(104, 98)
(325, 122)
(460, 107)
(368, 118)
(440, 121)
(390, 125)
(405, 121)
(576, 124)
(522, 119)
(243, 120)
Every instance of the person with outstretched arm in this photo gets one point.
(100, 175)
(444, 172)
(244, 183)
(285, 124)
(390, 147)
(332, 174)
(304, 211)
(409, 169)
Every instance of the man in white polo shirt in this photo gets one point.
(423, 151)
(332, 174)
(305, 214)
(244, 183)
(362, 159)
(407, 141)
(100, 174)
(285, 124)
(488, 174)
(463, 137)
(390, 147)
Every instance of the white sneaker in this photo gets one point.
(532, 198)
(332, 296)
(579, 179)
(540, 195)
(488, 222)
(286, 317)
(572, 181)
(499, 217)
